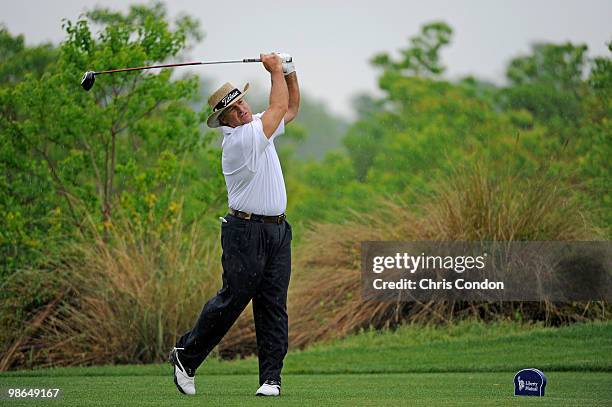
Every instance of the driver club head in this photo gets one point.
(88, 80)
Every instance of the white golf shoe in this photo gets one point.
(269, 388)
(183, 378)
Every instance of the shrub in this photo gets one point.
(471, 205)
(120, 295)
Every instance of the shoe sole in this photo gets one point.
(176, 383)
(268, 395)
(171, 359)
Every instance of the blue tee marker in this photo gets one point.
(529, 382)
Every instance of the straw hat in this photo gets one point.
(223, 98)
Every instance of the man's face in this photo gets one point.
(237, 115)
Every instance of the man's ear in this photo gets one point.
(221, 121)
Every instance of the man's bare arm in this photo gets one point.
(279, 94)
(294, 97)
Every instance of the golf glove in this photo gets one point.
(288, 67)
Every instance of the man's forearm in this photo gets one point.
(294, 96)
(279, 94)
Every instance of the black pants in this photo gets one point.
(256, 266)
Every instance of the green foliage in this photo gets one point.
(133, 150)
(422, 57)
(549, 83)
(594, 148)
(430, 128)
(18, 60)
(323, 131)
(119, 146)
(561, 66)
(130, 289)
(551, 120)
(327, 190)
(29, 216)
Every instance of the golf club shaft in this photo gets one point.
(239, 61)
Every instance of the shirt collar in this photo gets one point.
(227, 130)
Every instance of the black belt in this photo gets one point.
(278, 219)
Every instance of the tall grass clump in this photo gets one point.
(473, 205)
(120, 294)
(470, 205)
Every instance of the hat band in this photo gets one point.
(227, 99)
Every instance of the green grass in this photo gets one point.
(466, 364)
(450, 389)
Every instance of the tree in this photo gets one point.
(594, 146)
(18, 60)
(118, 146)
(423, 128)
(28, 213)
(422, 57)
(549, 83)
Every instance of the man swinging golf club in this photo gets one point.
(255, 237)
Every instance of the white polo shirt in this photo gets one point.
(252, 171)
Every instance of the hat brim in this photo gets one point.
(213, 119)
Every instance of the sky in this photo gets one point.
(332, 41)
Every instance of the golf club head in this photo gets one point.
(88, 80)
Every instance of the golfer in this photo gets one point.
(255, 236)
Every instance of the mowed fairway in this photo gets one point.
(468, 364)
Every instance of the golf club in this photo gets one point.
(89, 77)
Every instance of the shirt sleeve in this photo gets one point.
(255, 142)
